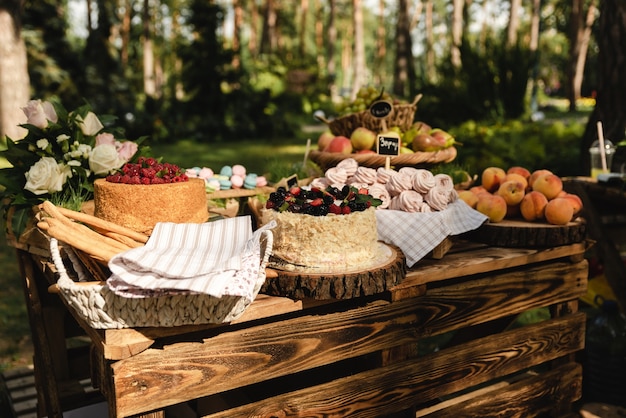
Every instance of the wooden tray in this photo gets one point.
(386, 271)
(519, 233)
(417, 159)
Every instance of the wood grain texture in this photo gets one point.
(398, 386)
(518, 233)
(189, 370)
(322, 286)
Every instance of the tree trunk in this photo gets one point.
(359, 48)
(331, 41)
(457, 32)
(430, 42)
(253, 45)
(580, 34)
(125, 32)
(304, 12)
(14, 81)
(381, 51)
(268, 34)
(511, 34)
(404, 71)
(319, 35)
(237, 25)
(149, 85)
(610, 106)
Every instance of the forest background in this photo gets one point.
(517, 83)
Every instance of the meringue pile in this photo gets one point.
(235, 177)
(408, 189)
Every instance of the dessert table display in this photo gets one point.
(444, 341)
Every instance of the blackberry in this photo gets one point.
(328, 199)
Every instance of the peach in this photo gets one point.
(340, 144)
(324, 139)
(512, 191)
(559, 211)
(536, 174)
(532, 207)
(522, 171)
(548, 184)
(575, 201)
(478, 190)
(517, 177)
(492, 206)
(492, 177)
(469, 197)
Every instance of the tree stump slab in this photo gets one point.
(518, 233)
(299, 282)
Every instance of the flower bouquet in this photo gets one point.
(58, 159)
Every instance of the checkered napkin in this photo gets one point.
(216, 258)
(416, 234)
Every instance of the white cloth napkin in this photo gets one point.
(416, 234)
(216, 258)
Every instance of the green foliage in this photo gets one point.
(551, 144)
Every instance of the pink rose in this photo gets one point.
(126, 149)
(105, 138)
(38, 113)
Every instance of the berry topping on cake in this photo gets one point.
(318, 202)
(146, 171)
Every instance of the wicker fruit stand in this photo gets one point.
(440, 343)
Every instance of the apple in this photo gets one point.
(559, 211)
(548, 184)
(365, 151)
(492, 206)
(406, 150)
(340, 144)
(512, 191)
(363, 138)
(324, 139)
(492, 177)
(532, 207)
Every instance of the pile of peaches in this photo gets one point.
(518, 193)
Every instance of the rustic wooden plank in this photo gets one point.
(551, 392)
(482, 260)
(185, 371)
(397, 387)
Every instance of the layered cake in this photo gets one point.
(145, 193)
(324, 230)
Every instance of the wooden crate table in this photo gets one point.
(370, 356)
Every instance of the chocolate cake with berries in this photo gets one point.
(326, 230)
(147, 192)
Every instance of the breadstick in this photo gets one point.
(54, 211)
(85, 235)
(102, 252)
(101, 224)
(131, 243)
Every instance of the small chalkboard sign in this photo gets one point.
(292, 181)
(388, 143)
(381, 108)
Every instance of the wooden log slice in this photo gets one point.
(384, 273)
(518, 233)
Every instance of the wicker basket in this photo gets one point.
(100, 308)
(418, 159)
(401, 115)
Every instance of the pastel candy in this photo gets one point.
(236, 181)
(239, 170)
(250, 181)
(261, 181)
(225, 184)
(226, 171)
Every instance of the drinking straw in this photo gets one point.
(602, 149)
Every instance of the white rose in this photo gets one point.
(46, 176)
(62, 138)
(104, 159)
(91, 125)
(38, 113)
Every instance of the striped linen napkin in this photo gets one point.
(417, 234)
(216, 258)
